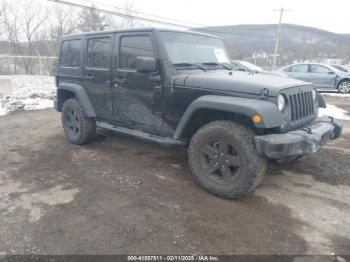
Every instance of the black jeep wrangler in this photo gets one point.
(179, 88)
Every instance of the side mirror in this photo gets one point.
(331, 73)
(145, 64)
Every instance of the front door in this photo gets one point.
(97, 74)
(300, 72)
(137, 96)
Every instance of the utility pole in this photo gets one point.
(282, 10)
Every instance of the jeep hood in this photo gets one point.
(236, 81)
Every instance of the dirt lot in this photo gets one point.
(123, 196)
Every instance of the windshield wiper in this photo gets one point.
(218, 64)
(191, 64)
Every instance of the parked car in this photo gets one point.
(238, 66)
(178, 88)
(249, 67)
(341, 68)
(324, 77)
(347, 67)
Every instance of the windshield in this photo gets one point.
(188, 48)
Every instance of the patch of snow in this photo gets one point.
(36, 104)
(336, 94)
(335, 112)
(29, 93)
(3, 111)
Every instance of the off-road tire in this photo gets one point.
(252, 167)
(345, 90)
(78, 128)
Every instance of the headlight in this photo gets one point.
(314, 94)
(281, 102)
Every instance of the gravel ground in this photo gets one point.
(119, 195)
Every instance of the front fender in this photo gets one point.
(321, 101)
(271, 116)
(80, 94)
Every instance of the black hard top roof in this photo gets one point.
(133, 30)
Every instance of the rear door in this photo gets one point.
(97, 74)
(322, 76)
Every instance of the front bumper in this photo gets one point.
(299, 142)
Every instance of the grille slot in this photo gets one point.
(301, 106)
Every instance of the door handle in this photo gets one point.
(118, 81)
(89, 77)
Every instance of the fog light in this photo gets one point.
(257, 119)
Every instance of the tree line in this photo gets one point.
(35, 27)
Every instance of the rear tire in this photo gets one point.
(224, 161)
(79, 129)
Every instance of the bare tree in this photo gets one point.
(22, 27)
(11, 27)
(123, 22)
(62, 22)
(2, 14)
(91, 19)
(130, 11)
(32, 19)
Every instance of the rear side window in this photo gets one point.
(319, 69)
(132, 47)
(71, 53)
(99, 52)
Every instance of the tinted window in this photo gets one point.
(71, 53)
(299, 69)
(99, 52)
(319, 69)
(132, 47)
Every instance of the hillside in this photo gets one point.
(297, 42)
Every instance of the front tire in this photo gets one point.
(344, 87)
(224, 161)
(79, 129)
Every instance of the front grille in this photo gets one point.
(301, 106)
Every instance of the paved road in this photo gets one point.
(119, 195)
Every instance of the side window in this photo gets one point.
(132, 47)
(319, 69)
(71, 53)
(99, 52)
(299, 69)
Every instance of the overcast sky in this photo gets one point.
(328, 15)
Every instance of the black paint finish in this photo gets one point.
(162, 102)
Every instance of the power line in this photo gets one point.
(149, 20)
(120, 14)
(147, 14)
